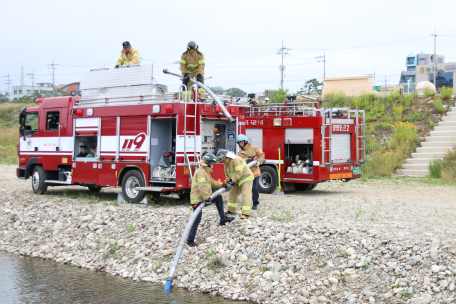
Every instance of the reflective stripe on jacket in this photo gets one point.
(202, 184)
(131, 58)
(192, 64)
(238, 171)
(255, 152)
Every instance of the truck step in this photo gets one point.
(154, 188)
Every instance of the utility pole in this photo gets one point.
(282, 51)
(22, 75)
(32, 76)
(372, 75)
(8, 82)
(320, 59)
(435, 60)
(53, 76)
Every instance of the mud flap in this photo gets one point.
(288, 187)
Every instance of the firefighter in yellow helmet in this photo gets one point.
(239, 175)
(192, 65)
(128, 55)
(249, 153)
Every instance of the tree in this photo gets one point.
(235, 92)
(34, 96)
(217, 90)
(4, 97)
(278, 96)
(311, 86)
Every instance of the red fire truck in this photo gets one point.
(316, 144)
(124, 131)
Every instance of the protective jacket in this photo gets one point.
(202, 184)
(254, 152)
(238, 171)
(192, 64)
(131, 58)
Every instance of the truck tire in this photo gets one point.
(267, 181)
(131, 180)
(304, 187)
(94, 189)
(39, 185)
(185, 196)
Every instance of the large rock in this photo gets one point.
(425, 299)
(267, 275)
(279, 237)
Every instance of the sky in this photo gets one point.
(239, 39)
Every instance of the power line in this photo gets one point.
(8, 82)
(53, 75)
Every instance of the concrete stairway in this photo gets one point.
(439, 141)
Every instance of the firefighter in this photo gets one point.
(192, 65)
(93, 152)
(248, 153)
(240, 177)
(202, 187)
(128, 55)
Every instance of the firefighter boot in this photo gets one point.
(228, 213)
(191, 243)
(227, 219)
(255, 206)
(244, 217)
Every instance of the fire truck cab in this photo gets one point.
(124, 131)
(315, 144)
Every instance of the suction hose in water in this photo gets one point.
(169, 279)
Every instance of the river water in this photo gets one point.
(28, 280)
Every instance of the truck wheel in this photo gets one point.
(185, 196)
(94, 189)
(131, 180)
(39, 185)
(267, 181)
(304, 187)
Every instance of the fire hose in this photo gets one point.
(169, 279)
(202, 85)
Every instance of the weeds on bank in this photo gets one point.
(438, 106)
(283, 216)
(428, 92)
(435, 168)
(446, 92)
(131, 227)
(111, 250)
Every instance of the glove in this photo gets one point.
(199, 78)
(250, 159)
(207, 202)
(227, 186)
(186, 78)
(116, 67)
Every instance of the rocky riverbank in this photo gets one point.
(261, 260)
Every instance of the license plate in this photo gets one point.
(356, 170)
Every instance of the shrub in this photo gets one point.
(393, 96)
(365, 101)
(438, 106)
(408, 99)
(413, 117)
(428, 92)
(339, 99)
(449, 166)
(446, 92)
(398, 112)
(435, 168)
(431, 123)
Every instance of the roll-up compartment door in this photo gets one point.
(340, 148)
(255, 136)
(298, 136)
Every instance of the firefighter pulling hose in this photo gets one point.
(196, 213)
(221, 105)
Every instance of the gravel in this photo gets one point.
(324, 255)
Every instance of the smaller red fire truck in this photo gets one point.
(124, 131)
(317, 144)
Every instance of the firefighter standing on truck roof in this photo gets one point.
(128, 55)
(192, 65)
(202, 187)
(239, 175)
(250, 153)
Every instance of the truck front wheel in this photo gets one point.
(39, 185)
(131, 180)
(267, 182)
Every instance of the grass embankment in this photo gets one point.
(9, 132)
(395, 125)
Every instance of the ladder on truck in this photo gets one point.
(326, 128)
(360, 134)
(190, 133)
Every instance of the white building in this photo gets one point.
(41, 88)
